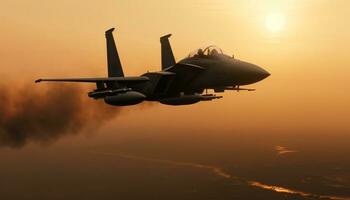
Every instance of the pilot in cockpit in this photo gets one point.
(200, 52)
(214, 52)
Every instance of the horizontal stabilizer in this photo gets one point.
(94, 80)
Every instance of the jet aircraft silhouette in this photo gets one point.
(178, 83)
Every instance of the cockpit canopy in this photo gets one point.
(209, 51)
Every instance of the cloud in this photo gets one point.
(44, 113)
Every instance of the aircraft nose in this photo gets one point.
(262, 73)
(258, 73)
(248, 73)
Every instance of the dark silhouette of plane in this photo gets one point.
(178, 83)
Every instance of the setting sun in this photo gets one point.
(275, 22)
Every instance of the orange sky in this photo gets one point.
(308, 58)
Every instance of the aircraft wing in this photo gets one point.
(94, 80)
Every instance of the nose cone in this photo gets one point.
(254, 73)
(261, 73)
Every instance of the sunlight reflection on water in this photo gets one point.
(218, 171)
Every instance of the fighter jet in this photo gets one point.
(178, 83)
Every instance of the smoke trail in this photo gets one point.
(43, 114)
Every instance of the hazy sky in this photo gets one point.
(302, 109)
(303, 44)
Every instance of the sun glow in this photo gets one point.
(275, 22)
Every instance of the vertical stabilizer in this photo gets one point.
(114, 66)
(168, 59)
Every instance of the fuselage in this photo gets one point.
(208, 69)
(217, 72)
(222, 71)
